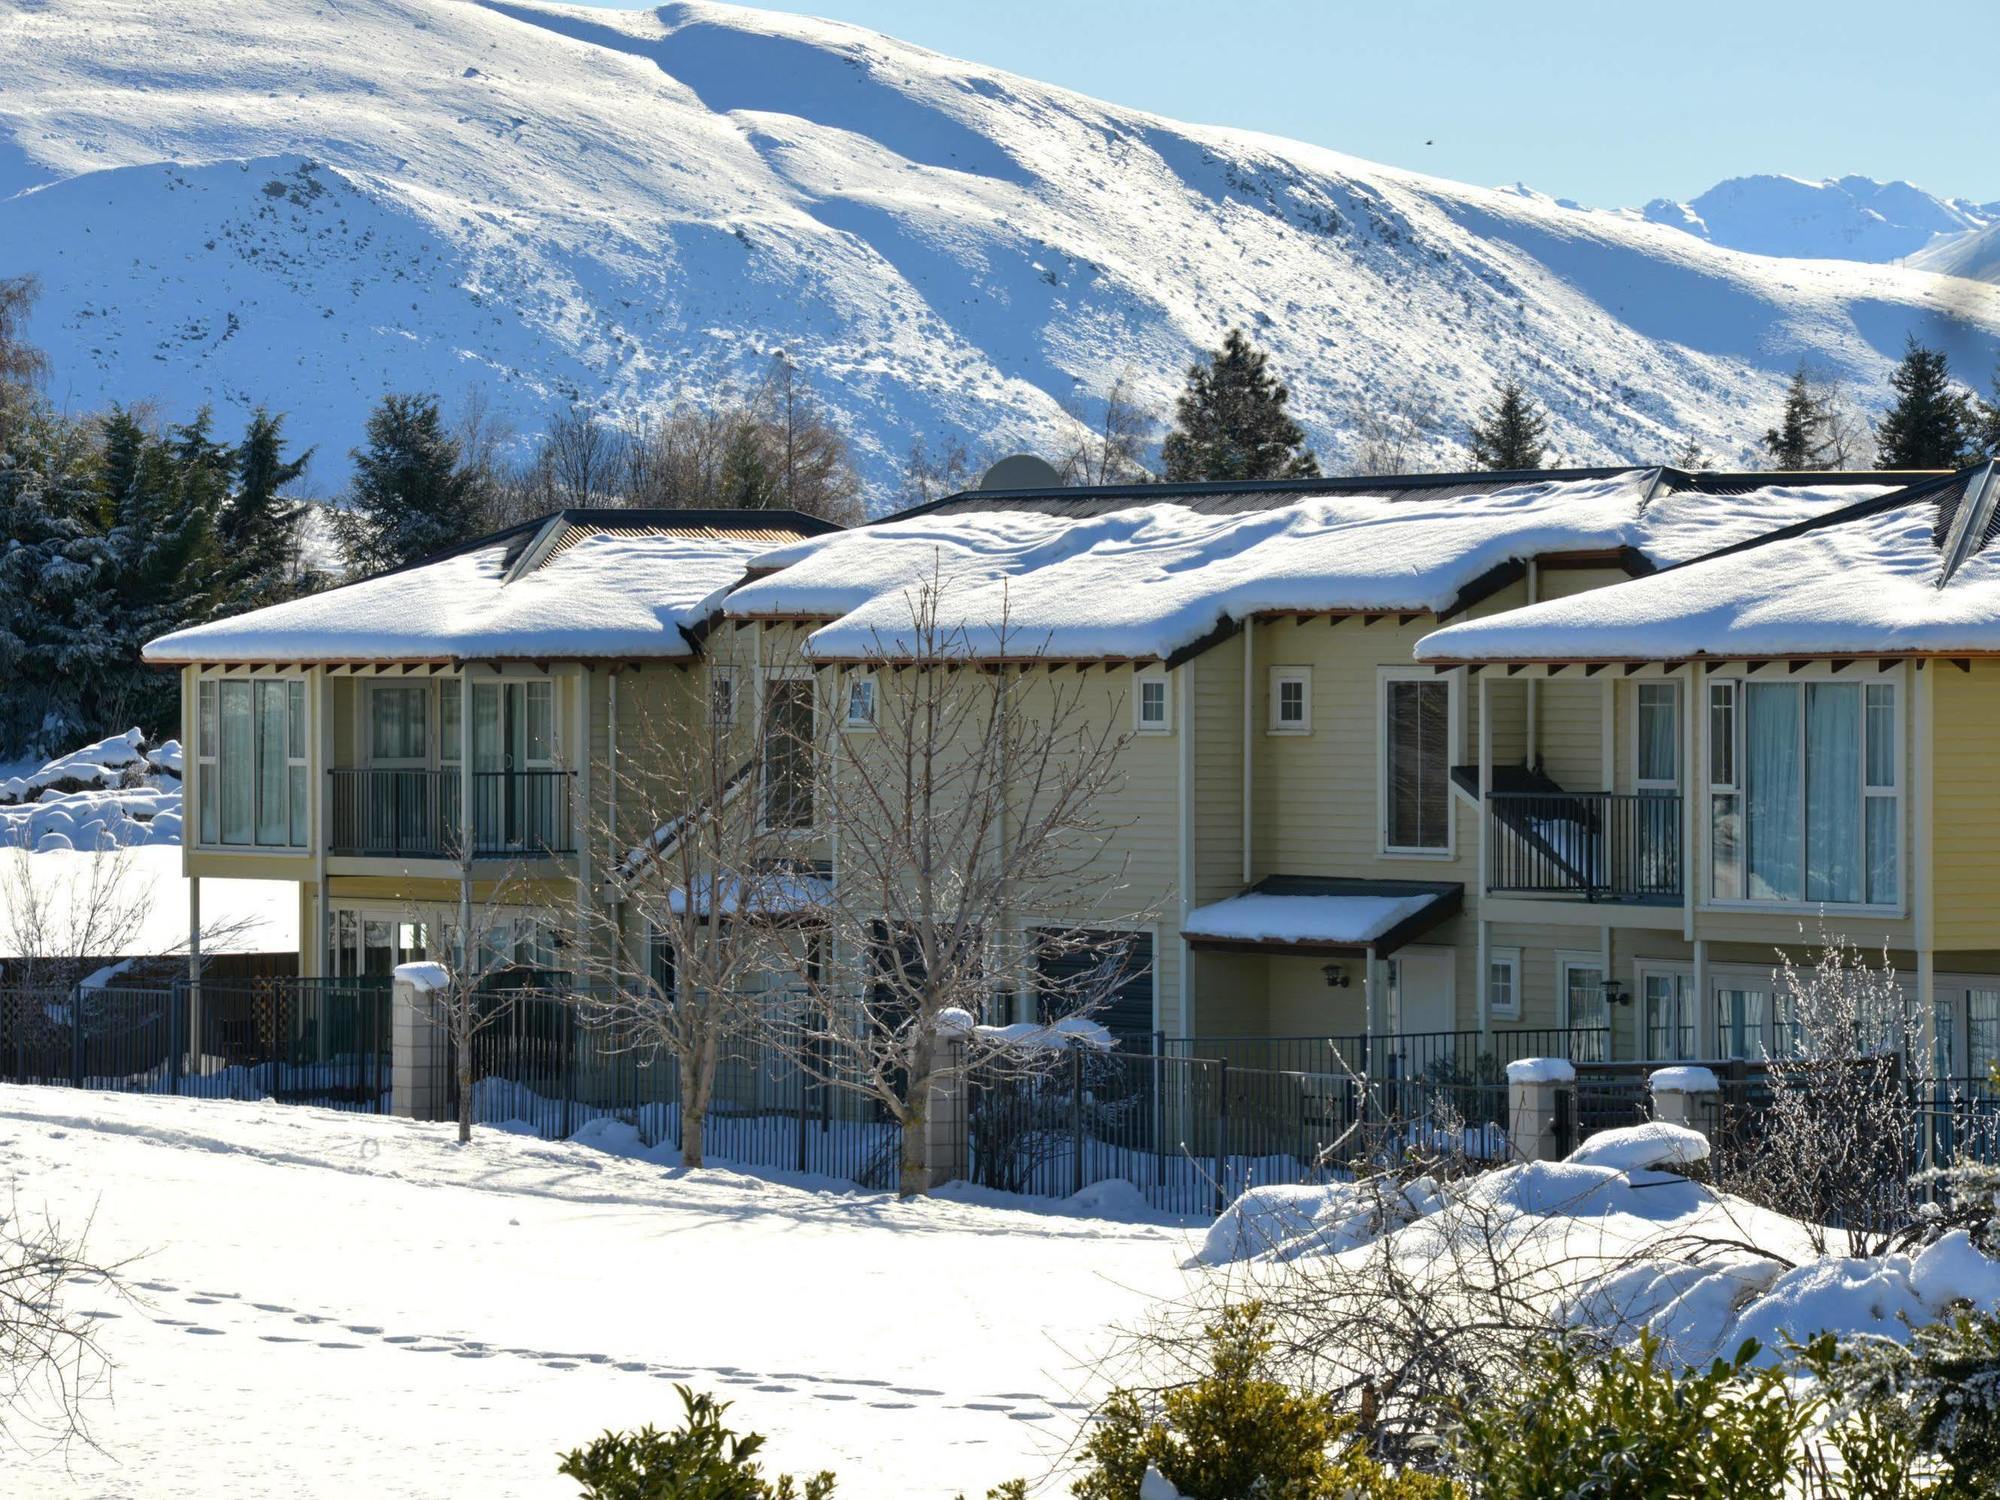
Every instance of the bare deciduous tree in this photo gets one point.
(1394, 434)
(972, 840)
(1852, 1091)
(51, 1365)
(932, 472)
(710, 887)
(1111, 448)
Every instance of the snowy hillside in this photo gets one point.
(308, 203)
(1840, 218)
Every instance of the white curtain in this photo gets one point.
(1833, 791)
(1771, 788)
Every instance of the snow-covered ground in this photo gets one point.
(304, 205)
(340, 1305)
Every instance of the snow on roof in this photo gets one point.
(1873, 581)
(615, 590)
(1148, 580)
(1259, 917)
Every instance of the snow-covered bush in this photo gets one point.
(1932, 1403)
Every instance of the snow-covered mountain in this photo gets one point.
(308, 202)
(1839, 218)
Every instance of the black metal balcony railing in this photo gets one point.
(418, 814)
(1592, 846)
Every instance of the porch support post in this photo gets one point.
(318, 768)
(1249, 743)
(1610, 1020)
(465, 958)
(1534, 678)
(1926, 916)
(1694, 780)
(1703, 1030)
(194, 973)
(1485, 815)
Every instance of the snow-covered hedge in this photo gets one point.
(118, 793)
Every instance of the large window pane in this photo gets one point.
(238, 785)
(451, 728)
(788, 732)
(1722, 734)
(1418, 764)
(274, 781)
(1833, 791)
(1881, 734)
(1726, 844)
(399, 724)
(1882, 885)
(1740, 1023)
(1583, 997)
(1659, 734)
(1771, 789)
(540, 746)
(1982, 1032)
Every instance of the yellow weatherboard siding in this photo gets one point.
(1965, 835)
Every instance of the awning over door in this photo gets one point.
(1314, 915)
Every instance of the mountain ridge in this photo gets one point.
(307, 202)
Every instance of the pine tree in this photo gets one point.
(1510, 434)
(1931, 424)
(1231, 422)
(411, 495)
(259, 528)
(1988, 440)
(1798, 442)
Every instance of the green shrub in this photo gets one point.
(1621, 1425)
(703, 1460)
(1237, 1432)
(1925, 1415)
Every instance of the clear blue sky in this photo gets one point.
(1612, 102)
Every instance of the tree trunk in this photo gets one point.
(464, 1091)
(914, 1175)
(692, 1123)
(698, 1088)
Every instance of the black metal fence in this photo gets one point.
(305, 1041)
(417, 814)
(1598, 846)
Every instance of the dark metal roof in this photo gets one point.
(1237, 497)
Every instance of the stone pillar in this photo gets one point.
(946, 1126)
(419, 1086)
(1687, 1096)
(1541, 1107)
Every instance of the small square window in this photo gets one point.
(861, 703)
(1503, 985)
(722, 697)
(1153, 706)
(1291, 700)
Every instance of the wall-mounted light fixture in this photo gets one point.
(1616, 993)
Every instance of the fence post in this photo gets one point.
(176, 1009)
(568, 1066)
(1221, 1133)
(1075, 1118)
(417, 1042)
(1541, 1108)
(76, 1035)
(799, 1074)
(1159, 1141)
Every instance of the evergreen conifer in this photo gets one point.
(1231, 421)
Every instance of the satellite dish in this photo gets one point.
(1022, 471)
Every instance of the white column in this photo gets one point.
(1533, 1084)
(1694, 783)
(1685, 1096)
(1705, 1042)
(465, 956)
(194, 970)
(418, 1087)
(1923, 908)
(1249, 745)
(1479, 885)
(1534, 677)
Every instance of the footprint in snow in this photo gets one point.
(336, 1344)
(214, 1332)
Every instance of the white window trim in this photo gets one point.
(1900, 908)
(1166, 682)
(1454, 752)
(847, 718)
(1567, 960)
(1642, 784)
(1691, 1018)
(208, 752)
(1511, 957)
(1278, 677)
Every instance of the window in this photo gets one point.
(660, 963)
(1291, 700)
(1739, 1023)
(1417, 765)
(250, 761)
(1659, 737)
(1982, 1031)
(1668, 1015)
(398, 725)
(1503, 984)
(1584, 1006)
(451, 721)
(788, 751)
(1815, 816)
(860, 702)
(722, 697)
(1153, 706)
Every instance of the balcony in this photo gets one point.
(417, 814)
(1587, 846)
